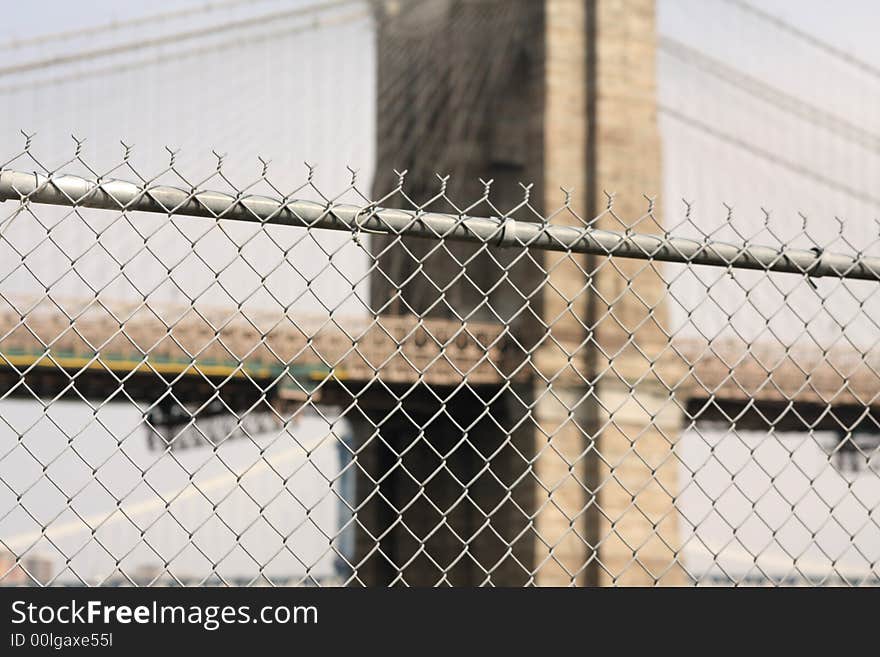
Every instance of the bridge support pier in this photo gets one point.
(567, 100)
(438, 496)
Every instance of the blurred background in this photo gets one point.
(769, 113)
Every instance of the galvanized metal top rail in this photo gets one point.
(118, 195)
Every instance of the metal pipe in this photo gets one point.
(119, 195)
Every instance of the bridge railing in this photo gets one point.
(203, 380)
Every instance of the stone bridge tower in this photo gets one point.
(561, 485)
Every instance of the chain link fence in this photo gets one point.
(212, 381)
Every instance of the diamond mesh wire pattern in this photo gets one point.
(208, 381)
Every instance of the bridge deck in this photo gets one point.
(216, 345)
(296, 353)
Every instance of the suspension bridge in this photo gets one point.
(259, 79)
